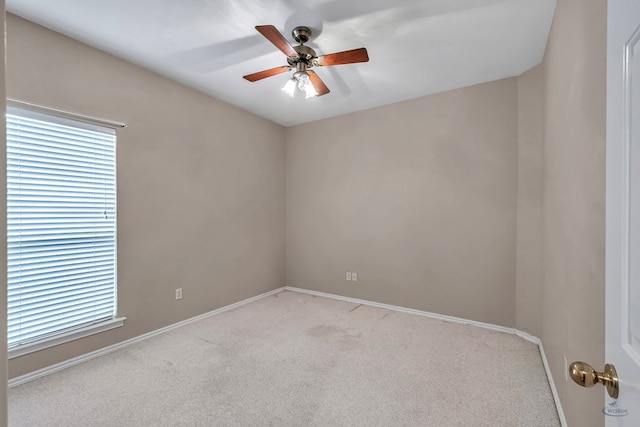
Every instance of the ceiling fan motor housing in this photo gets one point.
(305, 53)
(301, 34)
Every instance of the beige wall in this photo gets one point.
(3, 236)
(573, 200)
(485, 202)
(418, 198)
(529, 203)
(200, 185)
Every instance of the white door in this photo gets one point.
(623, 210)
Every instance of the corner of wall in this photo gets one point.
(3, 237)
(529, 203)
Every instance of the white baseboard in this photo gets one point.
(399, 309)
(552, 385)
(92, 355)
(528, 337)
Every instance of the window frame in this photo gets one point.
(16, 107)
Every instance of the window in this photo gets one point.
(61, 229)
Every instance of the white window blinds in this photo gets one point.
(61, 223)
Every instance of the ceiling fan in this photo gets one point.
(302, 58)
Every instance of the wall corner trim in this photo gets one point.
(552, 385)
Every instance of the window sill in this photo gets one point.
(66, 337)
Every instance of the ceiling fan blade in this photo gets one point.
(266, 73)
(318, 84)
(272, 34)
(345, 57)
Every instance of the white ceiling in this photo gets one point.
(416, 47)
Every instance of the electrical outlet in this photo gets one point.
(348, 275)
(179, 293)
(354, 277)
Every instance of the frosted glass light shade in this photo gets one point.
(289, 87)
(310, 91)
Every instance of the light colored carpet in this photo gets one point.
(293, 359)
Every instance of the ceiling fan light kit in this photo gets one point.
(302, 81)
(302, 58)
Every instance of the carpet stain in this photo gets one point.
(341, 338)
(322, 331)
(350, 342)
(355, 308)
(210, 342)
(385, 316)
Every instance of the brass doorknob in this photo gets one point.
(583, 374)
